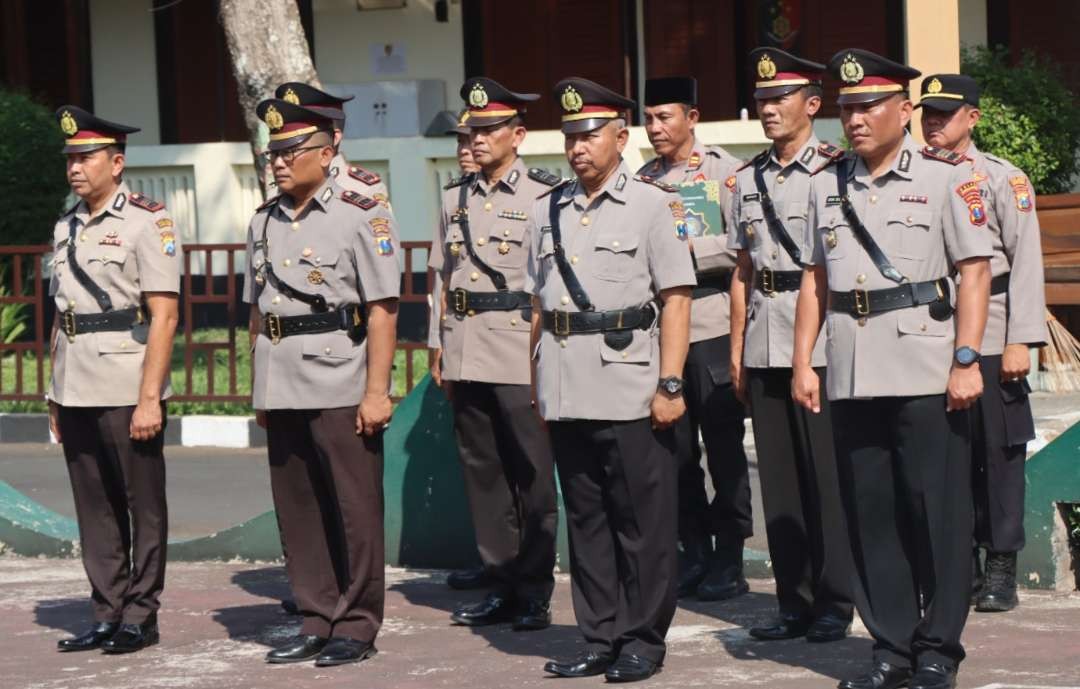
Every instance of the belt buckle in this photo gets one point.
(461, 300)
(768, 281)
(565, 330)
(273, 327)
(862, 305)
(69, 325)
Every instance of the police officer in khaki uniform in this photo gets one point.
(505, 454)
(116, 282)
(1016, 323)
(348, 177)
(611, 321)
(888, 227)
(796, 463)
(712, 407)
(323, 285)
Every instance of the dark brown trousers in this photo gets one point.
(119, 490)
(327, 485)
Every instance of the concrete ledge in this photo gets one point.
(24, 428)
(219, 431)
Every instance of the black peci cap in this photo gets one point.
(867, 77)
(587, 105)
(948, 92)
(778, 73)
(87, 132)
(291, 125)
(299, 93)
(663, 90)
(489, 102)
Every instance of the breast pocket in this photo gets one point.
(110, 344)
(909, 232)
(638, 352)
(321, 270)
(836, 237)
(107, 263)
(795, 221)
(615, 257)
(508, 246)
(752, 224)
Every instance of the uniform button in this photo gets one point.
(105, 258)
(780, 179)
(574, 259)
(442, 317)
(615, 244)
(474, 276)
(295, 225)
(862, 322)
(471, 312)
(860, 278)
(565, 300)
(585, 220)
(82, 237)
(513, 321)
(774, 254)
(624, 355)
(506, 233)
(772, 295)
(327, 350)
(481, 241)
(276, 300)
(487, 206)
(123, 345)
(922, 327)
(71, 304)
(873, 198)
(287, 262)
(909, 220)
(562, 344)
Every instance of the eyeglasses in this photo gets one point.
(289, 154)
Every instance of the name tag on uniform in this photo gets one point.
(751, 197)
(832, 200)
(546, 228)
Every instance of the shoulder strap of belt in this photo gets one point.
(861, 233)
(316, 301)
(774, 223)
(573, 285)
(101, 296)
(463, 214)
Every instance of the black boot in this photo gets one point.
(998, 594)
(694, 556)
(977, 574)
(725, 578)
(89, 640)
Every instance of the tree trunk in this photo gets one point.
(267, 46)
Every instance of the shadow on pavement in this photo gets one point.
(72, 615)
(263, 623)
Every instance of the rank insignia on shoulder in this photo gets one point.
(969, 191)
(656, 183)
(361, 175)
(467, 178)
(384, 246)
(544, 177)
(513, 215)
(912, 198)
(563, 183)
(268, 202)
(1022, 193)
(359, 200)
(827, 150)
(168, 243)
(945, 156)
(146, 203)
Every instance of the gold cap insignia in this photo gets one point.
(478, 97)
(67, 123)
(851, 71)
(273, 118)
(934, 86)
(571, 100)
(766, 68)
(291, 97)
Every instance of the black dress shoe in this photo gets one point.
(933, 676)
(298, 649)
(882, 676)
(341, 650)
(998, 592)
(468, 579)
(131, 637)
(631, 668)
(532, 615)
(492, 610)
(89, 640)
(289, 606)
(783, 627)
(828, 628)
(725, 578)
(587, 664)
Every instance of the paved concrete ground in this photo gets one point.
(218, 621)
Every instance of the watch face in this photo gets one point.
(966, 355)
(672, 385)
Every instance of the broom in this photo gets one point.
(1060, 358)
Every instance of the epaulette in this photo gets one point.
(670, 188)
(944, 155)
(458, 181)
(366, 176)
(827, 150)
(756, 159)
(145, 202)
(268, 202)
(543, 176)
(561, 184)
(824, 166)
(359, 200)
(71, 210)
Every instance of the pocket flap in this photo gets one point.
(453, 234)
(917, 321)
(751, 212)
(912, 218)
(507, 231)
(319, 259)
(117, 343)
(639, 351)
(617, 243)
(796, 209)
(336, 346)
(114, 257)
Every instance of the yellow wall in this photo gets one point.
(123, 66)
(932, 35)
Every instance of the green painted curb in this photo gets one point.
(30, 529)
(1052, 476)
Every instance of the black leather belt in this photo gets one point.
(862, 302)
(1000, 284)
(111, 321)
(349, 318)
(769, 281)
(464, 301)
(711, 283)
(572, 323)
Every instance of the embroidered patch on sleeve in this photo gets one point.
(1022, 193)
(969, 191)
(168, 243)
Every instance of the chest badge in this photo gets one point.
(750, 231)
(831, 239)
(315, 277)
(110, 239)
(504, 248)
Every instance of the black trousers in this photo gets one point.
(510, 483)
(713, 410)
(905, 481)
(1003, 426)
(618, 483)
(119, 490)
(328, 493)
(800, 493)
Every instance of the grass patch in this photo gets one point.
(200, 375)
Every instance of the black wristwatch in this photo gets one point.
(966, 356)
(672, 385)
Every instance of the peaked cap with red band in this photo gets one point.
(87, 132)
(489, 102)
(777, 73)
(291, 125)
(587, 105)
(866, 77)
(299, 93)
